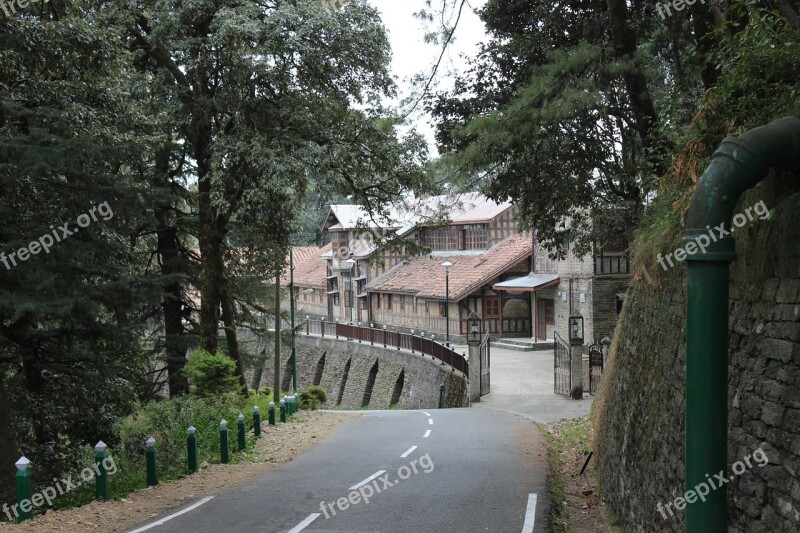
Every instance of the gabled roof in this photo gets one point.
(463, 208)
(309, 267)
(424, 276)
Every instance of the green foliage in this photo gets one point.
(312, 398)
(211, 375)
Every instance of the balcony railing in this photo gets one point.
(389, 339)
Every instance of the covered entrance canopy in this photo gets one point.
(543, 308)
(529, 283)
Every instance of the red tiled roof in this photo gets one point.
(425, 277)
(309, 267)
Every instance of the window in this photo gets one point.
(347, 298)
(402, 302)
(442, 309)
(550, 312)
(389, 302)
(491, 307)
(377, 300)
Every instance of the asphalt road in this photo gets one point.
(465, 470)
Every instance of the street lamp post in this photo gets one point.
(292, 302)
(447, 265)
(351, 263)
(294, 333)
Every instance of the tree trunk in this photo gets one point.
(229, 321)
(276, 380)
(702, 27)
(787, 12)
(625, 39)
(8, 450)
(175, 345)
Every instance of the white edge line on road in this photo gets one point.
(430, 421)
(370, 478)
(426, 413)
(173, 515)
(425, 436)
(530, 514)
(304, 524)
(408, 451)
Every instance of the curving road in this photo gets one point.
(438, 471)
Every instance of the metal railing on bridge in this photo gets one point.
(388, 339)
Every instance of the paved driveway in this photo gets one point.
(522, 383)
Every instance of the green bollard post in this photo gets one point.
(23, 483)
(441, 395)
(223, 442)
(283, 410)
(271, 414)
(290, 404)
(191, 449)
(150, 454)
(256, 421)
(240, 432)
(101, 480)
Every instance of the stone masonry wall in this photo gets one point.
(639, 413)
(422, 375)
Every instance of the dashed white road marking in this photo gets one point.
(426, 413)
(173, 515)
(427, 434)
(370, 478)
(409, 451)
(305, 523)
(530, 514)
(430, 421)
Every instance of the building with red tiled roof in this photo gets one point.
(496, 272)
(309, 279)
(415, 293)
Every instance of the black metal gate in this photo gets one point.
(595, 366)
(562, 374)
(485, 362)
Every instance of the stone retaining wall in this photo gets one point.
(353, 373)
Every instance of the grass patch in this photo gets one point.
(568, 442)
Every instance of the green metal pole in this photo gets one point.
(223, 442)
(191, 448)
(101, 479)
(150, 456)
(256, 421)
(738, 164)
(22, 481)
(291, 305)
(441, 395)
(271, 414)
(240, 432)
(706, 391)
(283, 410)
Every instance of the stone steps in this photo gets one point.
(522, 346)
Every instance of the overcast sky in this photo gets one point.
(412, 56)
